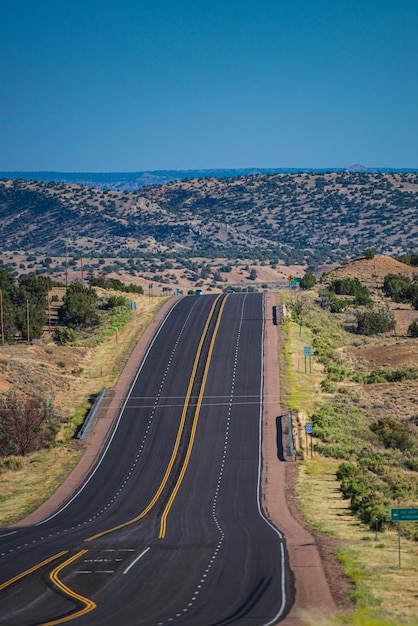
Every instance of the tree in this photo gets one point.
(253, 275)
(78, 309)
(64, 336)
(374, 322)
(352, 287)
(308, 281)
(413, 329)
(26, 424)
(369, 254)
(396, 287)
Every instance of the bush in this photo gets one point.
(329, 301)
(396, 287)
(26, 424)
(374, 322)
(413, 329)
(392, 434)
(64, 336)
(308, 281)
(78, 309)
(115, 301)
(351, 287)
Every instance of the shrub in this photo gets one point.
(78, 309)
(64, 336)
(413, 329)
(308, 281)
(392, 433)
(396, 287)
(115, 301)
(374, 322)
(26, 424)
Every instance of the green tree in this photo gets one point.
(308, 281)
(374, 322)
(413, 329)
(64, 336)
(397, 286)
(78, 309)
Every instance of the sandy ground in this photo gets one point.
(313, 595)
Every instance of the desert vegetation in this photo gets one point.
(360, 397)
(379, 450)
(298, 219)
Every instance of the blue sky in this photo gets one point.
(134, 85)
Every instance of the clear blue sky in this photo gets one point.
(129, 85)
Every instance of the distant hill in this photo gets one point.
(298, 218)
(132, 181)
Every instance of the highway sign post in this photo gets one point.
(308, 431)
(307, 353)
(402, 515)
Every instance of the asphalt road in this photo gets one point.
(168, 527)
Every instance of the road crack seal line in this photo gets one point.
(215, 553)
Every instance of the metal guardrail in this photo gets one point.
(91, 414)
(289, 432)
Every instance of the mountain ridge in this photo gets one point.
(132, 181)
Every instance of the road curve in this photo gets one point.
(168, 527)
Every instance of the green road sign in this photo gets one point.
(403, 515)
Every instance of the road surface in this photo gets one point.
(168, 528)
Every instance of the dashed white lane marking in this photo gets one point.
(135, 462)
(203, 580)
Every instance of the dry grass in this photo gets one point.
(23, 490)
(382, 586)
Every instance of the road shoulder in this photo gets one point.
(313, 595)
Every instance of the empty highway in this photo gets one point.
(168, 528)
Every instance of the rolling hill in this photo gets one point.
(300, 218)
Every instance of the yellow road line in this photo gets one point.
(32, 569)
(163, 525)
(89, 604)
(178, 438)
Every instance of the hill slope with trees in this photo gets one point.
(301, 218)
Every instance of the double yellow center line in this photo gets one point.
(89, 605)
(179, 432)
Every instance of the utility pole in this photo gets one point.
(1, 317)
(66, 265)
(49, 311)
(28, 319)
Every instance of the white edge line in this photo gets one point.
(283, 604)
(136, 560)
(13, 532)
(117, 423)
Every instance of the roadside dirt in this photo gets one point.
(319, 585)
